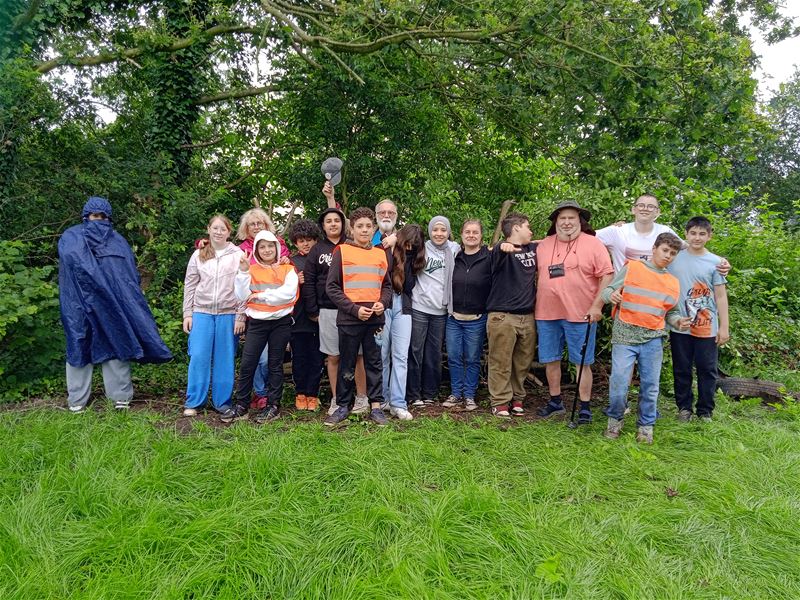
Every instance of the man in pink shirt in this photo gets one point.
(573, 267)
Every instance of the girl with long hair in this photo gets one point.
(212, 316)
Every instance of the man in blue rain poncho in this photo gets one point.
(105, 315)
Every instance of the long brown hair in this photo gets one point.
(207, 252)
(410, 235)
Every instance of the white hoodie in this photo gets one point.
(279, 296)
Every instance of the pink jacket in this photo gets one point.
(209, 286)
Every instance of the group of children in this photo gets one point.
(379, 315)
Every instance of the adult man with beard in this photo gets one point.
(386, 215)
(573, 267)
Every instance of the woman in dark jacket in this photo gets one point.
(406, 260)
(466, 324)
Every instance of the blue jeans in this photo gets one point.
(464, 348)
(425, 356)
(261, 377)
(649, 356)
(394, 353)
(212, 347)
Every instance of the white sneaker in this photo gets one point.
(189, 412)
(361, 405)
(418, 402)
(451, 401)
(333, 407)
(401, 414)
(76, 409)
(470, 404)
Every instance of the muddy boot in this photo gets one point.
(644, 434)
(614, 428)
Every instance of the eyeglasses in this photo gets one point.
(647, 206)
(388, 213)
(260, 224)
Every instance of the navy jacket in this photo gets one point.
(103, 309)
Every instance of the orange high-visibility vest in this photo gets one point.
(647, 296)
(268, 278)
(362, 272)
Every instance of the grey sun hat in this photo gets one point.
(332, 170)
(584, 215)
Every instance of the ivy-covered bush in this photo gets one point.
(31, 338)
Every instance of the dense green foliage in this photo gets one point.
(109, 505)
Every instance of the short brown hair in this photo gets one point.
(669, 239)
(360, 213)
(512, 219)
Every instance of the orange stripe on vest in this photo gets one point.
(267, 278)
(363, 271)
(647, 296)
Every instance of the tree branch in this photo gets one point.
(26, 17)
(113, 56)
(240, 93)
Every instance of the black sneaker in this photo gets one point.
(339, 415)
(270, 413)
(550, 410)
(235, 413)
(377, 416)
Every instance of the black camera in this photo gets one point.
(556, 270)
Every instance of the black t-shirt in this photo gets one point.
(513, 280)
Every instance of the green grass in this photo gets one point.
(107, 505)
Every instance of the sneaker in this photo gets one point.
(361, 405)
(258, 403)
(301, 402)
(469, 404)
(684, 415)
(270, 413)
(584, 416)
(644, 435)
(340, 414)
(332, 408)
(705, 418)
(451, 401)
(122, 404)
(236, 413)
(613, 429)
(516, 408)
(77, 409)
(312, 403)
(418, 402)
(551, 410)
(401, 413)
(189, 412)
(377, 416)
(428, 401)
(501, 411)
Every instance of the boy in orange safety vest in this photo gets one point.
(645, 299)
(358, 284)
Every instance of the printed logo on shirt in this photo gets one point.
(528, 259)
(699, 304)
(637, 254)
(325, 259)
(433, 264)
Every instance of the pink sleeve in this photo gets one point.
(284, 247)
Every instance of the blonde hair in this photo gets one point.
(259, 213)
(207, 252)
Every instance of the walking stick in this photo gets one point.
(572, 424)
